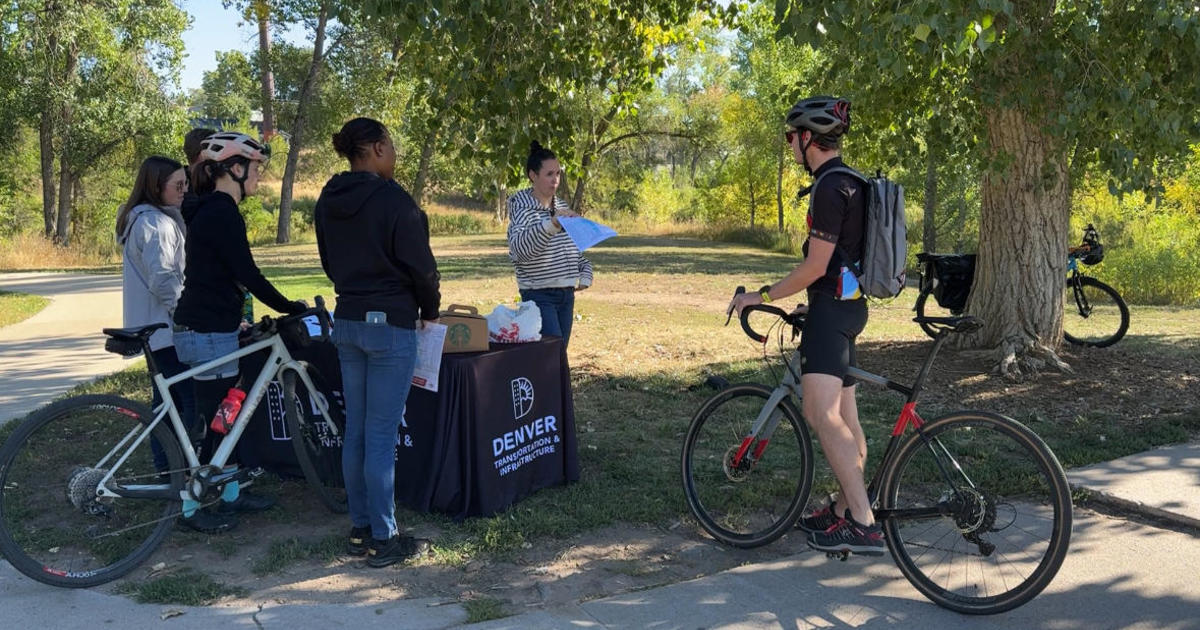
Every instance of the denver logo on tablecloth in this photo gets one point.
(528, 441)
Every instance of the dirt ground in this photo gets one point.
(1138, 383)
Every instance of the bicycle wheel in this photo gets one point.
(757, 500)
(53, 528)
(982, 512)
(1095, 315)
(318, 450)
(926, 306)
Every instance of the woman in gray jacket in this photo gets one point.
(151, 231)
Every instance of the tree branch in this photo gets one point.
(641, 134)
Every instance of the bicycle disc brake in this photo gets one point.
(740, 472)
(974, 515)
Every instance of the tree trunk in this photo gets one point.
(581, 184)
(423, 167)
(62, 229)
(262, 12)
(46, 142)
(753, 202)
(1020, 271)
(779, 191)
(929, 223)
(63, 225)
(501, 201)
(283, 230)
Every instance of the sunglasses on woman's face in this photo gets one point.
(789, 135)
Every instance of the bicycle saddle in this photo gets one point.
(136, 333)
(962, 324)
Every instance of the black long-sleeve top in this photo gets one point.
(218, 264)
(374, 246)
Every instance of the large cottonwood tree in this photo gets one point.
(1061, 87)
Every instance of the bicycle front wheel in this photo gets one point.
(318, 449)
(752, 499)
(977, 512)
(1093, 313)
(53, 527)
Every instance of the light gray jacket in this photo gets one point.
(152, 273)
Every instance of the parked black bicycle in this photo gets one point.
(1094, 314)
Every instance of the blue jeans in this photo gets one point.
(558, 310)
(377, 369)
(194, 348)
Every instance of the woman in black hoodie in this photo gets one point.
(209, 314)
(374, 246)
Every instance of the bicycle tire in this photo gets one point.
(310, 442)
(1107, 309)
(1019, 502)
(719, 497)
(52, 527)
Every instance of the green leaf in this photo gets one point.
(922, 32)
(986, 22)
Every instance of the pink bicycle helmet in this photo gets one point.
(224, 145)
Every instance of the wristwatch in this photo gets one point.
(765, 293)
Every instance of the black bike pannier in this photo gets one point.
(948, 277)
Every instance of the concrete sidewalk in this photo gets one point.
(1119, 574)
(60, 347)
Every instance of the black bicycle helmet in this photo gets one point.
(824, 115)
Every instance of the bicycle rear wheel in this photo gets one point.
(1093, 313)
(751, 501)
(318, 450)
(977, 512)
(53, 527)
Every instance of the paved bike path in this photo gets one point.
(60, 347)
(1118, 575)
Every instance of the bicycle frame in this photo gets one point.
(279, 360)
(768, 419)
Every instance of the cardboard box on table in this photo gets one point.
(466, 329)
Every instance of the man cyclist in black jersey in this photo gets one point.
(837, 313)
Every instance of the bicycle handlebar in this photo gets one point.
(269, 325)
(794, 318)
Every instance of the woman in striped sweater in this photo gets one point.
(548, 264)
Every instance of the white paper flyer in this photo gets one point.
(429, 356)
(585, 232)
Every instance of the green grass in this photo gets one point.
(18, 307)
(185, 588)
(651, 330)
(484, 609)
(289, 551)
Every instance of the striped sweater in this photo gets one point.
(544, 256)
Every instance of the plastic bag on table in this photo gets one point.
(509, 325)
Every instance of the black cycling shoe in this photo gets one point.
(820, 520)
(246, 503)
(356, 544)
(208, 522)
(395, 549)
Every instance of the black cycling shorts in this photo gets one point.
(827, 343)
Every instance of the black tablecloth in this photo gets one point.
(500, 427)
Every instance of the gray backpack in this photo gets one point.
(885, 245)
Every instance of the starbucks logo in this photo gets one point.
(459, 335)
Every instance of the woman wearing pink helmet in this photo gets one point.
(220, 269)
